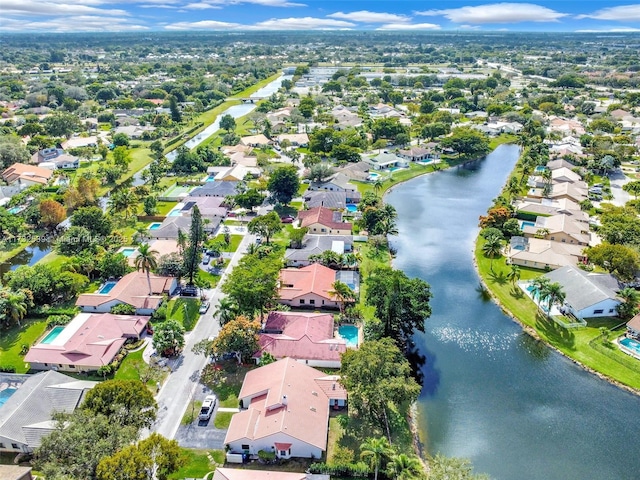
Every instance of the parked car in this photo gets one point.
(204, 306)
(287, 219)
(208, 406)
(189, 292)
(258, 240)
(205, 260)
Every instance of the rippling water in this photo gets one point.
(516, 408)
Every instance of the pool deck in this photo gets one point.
(626, 349)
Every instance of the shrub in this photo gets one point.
(359, 469)
(7, 369)
(24, 349)
(58, 320)
(123, 309)
(266, 457)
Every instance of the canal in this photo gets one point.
(492, 394)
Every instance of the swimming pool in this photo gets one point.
(174, 212)
(631, 344)
(351, 207)
(350, 334)
(5, 394)
(107, 287)
(210, 178)
(393, 169)
(374, 176)
(127, 252)
(155, 226)
(52, 335)
(526, 224)
(540, 168)
(14, 210)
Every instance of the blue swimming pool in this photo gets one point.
(127, 252)
(540, 168)
(155, 226)
(631, 344)
(107, 287)
(210, 178)
(5, 394)
(351, 207)
(527, 224)
(393, 169)
(52, 335)
(350, 334)
(174, 213)
(14, 210)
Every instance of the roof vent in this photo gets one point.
(313, 392)
(313, 409)
(284, 400)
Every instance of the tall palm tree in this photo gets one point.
(377, 186)
(375, 449)
(342, 293)
(15, 305)
(404, 467)
(226, 310)
(123, 201)
(555, 295)
(514, 274)
(538, 289)
(629, 306)
(147, 260)
(492, 248)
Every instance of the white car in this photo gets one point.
(207, 408)
(204, 306)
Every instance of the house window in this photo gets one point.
(72, 366)
(1, 445)
(596, 312)
(323, 302)
(15, 445)
(244, 447)
(611, 310)
(302, 301)
(283, 453)
(323, 229)
(46, 364)
(312, 302)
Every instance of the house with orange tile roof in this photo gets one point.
(323, 221)
(86, 343)
(26, 175)
(132, 289)
(306, 337)
(242, 474)
(307, 287)
(285, 410)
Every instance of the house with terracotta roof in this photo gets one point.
(243, 474)
(633, 327)
(26, 416)
(285, 410)
(306, 337)
(26, 175)
(307, 287)
(323, 221)
(132, 289)
(86, 343)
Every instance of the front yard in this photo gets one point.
(185, 311)
(13, 339)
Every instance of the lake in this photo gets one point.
(517, 409)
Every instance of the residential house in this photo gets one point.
(26, 175)
(564, 174)
(56, 157)
(215, 189)
(308, 338)
(543, 254)
(559, 163)
(133, 131)
(285, 410)
(169, 228)
(561, 190)
(296, 139)
(338, 182)
(355, 171)
(385, 160)
(26, 416)
(562, 125)
(321, 198)
(315, 245)
(241, 158)
(633, 327)
(322, 220)
(546, 207)
(237, 173)
(15, 472)
(87, 343)
(223, 473)
(560, 228)
(255, 141)
(8, 191)
(418, 154)
(587, 294)
(132, 289)
(308, 287)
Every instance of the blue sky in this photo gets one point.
(406, 15)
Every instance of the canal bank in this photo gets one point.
(491, 393)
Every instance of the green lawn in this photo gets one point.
(185, 311)
(197, 464)
(12, 339)
(10, 249)
(223, 419)
(233, 244)
(581, 344)
(191, 413)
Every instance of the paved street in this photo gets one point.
(617, 179)
(182, 384)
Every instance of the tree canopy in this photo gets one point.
(284, 184)
(127, 402)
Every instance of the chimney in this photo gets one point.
(284, 400)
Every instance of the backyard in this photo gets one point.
(12, 340)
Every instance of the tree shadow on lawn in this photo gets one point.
(516, 292)
(556, 334)
(500, 278)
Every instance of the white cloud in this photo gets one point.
(409, 26)
(81, 23)
(202, 25)
(200, 6)
(34, 8)
(498, 13)
(265, 3)
(304, 23)
(611, 30)
(469, 27)
(624, 13)
(371, 17)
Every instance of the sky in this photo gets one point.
(389, 15)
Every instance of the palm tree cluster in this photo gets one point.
(400, 466)
(336, 261)
(545, 291)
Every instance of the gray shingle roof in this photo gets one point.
(315, 245)
(23, 417)
(322, 198)
(215, 189)
(584, 289)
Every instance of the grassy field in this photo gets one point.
(197, 464)
(191, 413)
(582, 344)
(223, 419)
(233, 244)
(12, 339)
(185, 311)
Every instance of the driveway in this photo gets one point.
(183, 382)
(617, 179)
(201, 434)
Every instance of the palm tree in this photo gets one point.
(226, 310)
(342, 293)
(629, 306)
(123, 200)
(147, 261)
(514, 274)
(375, 449)
(555, 295)
(542, 232)
(404, 467)
(15, 305)
(492, 248)
(377, 186)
